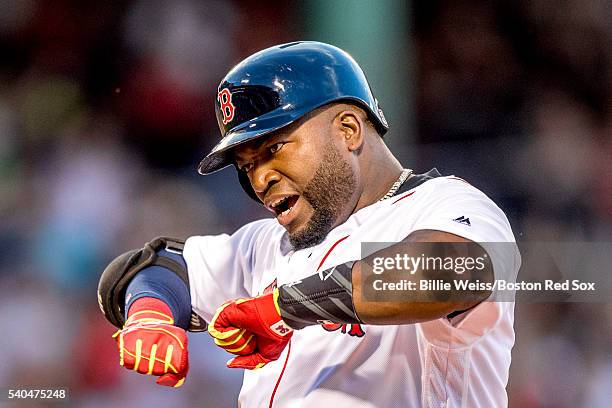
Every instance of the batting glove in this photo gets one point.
(149, 343)
(252, 329)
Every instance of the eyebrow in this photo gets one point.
(258, 143)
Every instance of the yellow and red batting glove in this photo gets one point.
(149, 343)
(252, 329)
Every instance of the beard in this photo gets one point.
(329, 190)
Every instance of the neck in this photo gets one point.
(379, 175)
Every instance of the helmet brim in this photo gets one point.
(221, 155)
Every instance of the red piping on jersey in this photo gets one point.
(457, 178)
(331, 249)
(280, 376)
(402, 197)
(289, 347)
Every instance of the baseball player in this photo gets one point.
(287, 296)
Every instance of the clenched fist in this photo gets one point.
(149, 343)
(252, 329)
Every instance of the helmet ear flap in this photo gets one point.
(246, 185)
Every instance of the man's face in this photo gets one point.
(302, 174)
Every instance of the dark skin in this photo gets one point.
(423, 305)
(284, 163)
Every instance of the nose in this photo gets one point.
(263, 178)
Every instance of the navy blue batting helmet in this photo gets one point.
(277, 86)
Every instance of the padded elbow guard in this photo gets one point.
(118, 274)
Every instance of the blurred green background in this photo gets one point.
(107, 107)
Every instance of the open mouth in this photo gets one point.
(283, 206)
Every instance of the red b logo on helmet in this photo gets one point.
(227, 108)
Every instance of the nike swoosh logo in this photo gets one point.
(324, 278)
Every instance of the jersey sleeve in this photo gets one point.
(220, 267)
(454, 206)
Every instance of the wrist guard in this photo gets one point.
(326, 297)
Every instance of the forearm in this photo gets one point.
(156, 271)
(344, 294)
(417, 305)
(160, 283)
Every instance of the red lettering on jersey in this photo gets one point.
(356, 330)
(227, 107)
(332, 326)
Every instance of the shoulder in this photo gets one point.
(264, 232)
(434, 186)
(449, 190)
(246, 236)
(449, 182)
(260, 236)
(454, 205)
(263, 226)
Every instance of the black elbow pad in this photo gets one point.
(118, 274)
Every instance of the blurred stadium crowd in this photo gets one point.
(107, 107)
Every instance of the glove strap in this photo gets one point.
(147, 310)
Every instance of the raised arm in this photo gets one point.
(346, 293)
(145, 294)
(262, 326)
(155, 294)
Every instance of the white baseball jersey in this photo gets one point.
(458, 362)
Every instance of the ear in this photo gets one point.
(352, 128)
